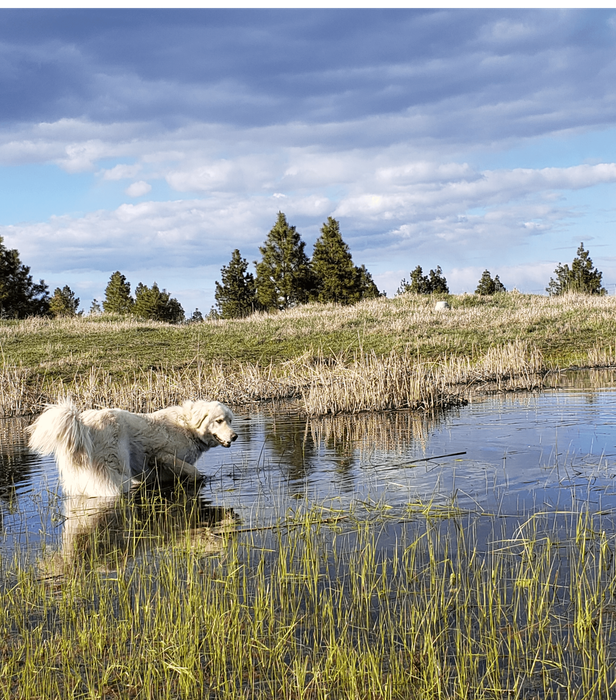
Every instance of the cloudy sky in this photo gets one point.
(155, 142)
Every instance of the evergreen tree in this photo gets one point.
(580, 277)
(95, 308)
(117, 295)
(284, 277)
(156, 305)
(236, 297)
(420, 283)
(403, 288)
(64, 302)
(336, 278)
(19, 296)
(332, 257)
(196, 317)
(367, 287)
(434, 283)
(437, 282)
(488, 286)
(214, 315)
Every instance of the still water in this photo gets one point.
(506, 454)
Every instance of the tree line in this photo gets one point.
(285, 277)
(582, 277)
(21, 297)
(149, 302)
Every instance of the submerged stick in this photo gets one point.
(429, 459)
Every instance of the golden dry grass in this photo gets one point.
(378, 355)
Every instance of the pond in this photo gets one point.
(510, 454)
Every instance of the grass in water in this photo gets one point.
(367, 603)
(377, 355)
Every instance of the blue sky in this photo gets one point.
(155, 142)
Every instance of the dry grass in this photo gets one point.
(365, 383)
(378, 355)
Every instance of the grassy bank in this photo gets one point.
(322, 607)
(330, 358)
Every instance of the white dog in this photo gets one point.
(104, 452)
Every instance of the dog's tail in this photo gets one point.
(60, 430)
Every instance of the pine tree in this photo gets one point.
(434, 283)
(284, 277)
(19, 296)
(156, 305)
(236, 297)
(336, 278)
(580, 277)
(367, 287)
(437, 282)
(488, 286)
(117, 295)
(420, 283)
(64, 302)
(95, 308)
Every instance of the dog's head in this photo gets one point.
(211, 422)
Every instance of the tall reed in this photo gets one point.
(320, 384)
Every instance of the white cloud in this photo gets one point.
(506, 31)
(214, 176)
(121, 171)
(82, 156)
(425, 172)
(434, 201)
(391, 201)
(185, 233)
(138, 189)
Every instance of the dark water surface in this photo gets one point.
(522, 453)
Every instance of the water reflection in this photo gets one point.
(289, 447)
(523, 452)
(582, 379)
(362, 434)
(16, 460)
(106, 533)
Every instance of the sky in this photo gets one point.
(155, 142)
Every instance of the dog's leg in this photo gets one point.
(179, 467)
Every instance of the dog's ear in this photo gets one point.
(201, 412)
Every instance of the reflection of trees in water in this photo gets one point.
(105, 533)
(16, 460)
(248, 427)
(292, 444)
(296, 442)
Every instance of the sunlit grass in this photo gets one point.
(366, 603)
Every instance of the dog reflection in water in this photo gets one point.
(105, 533)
